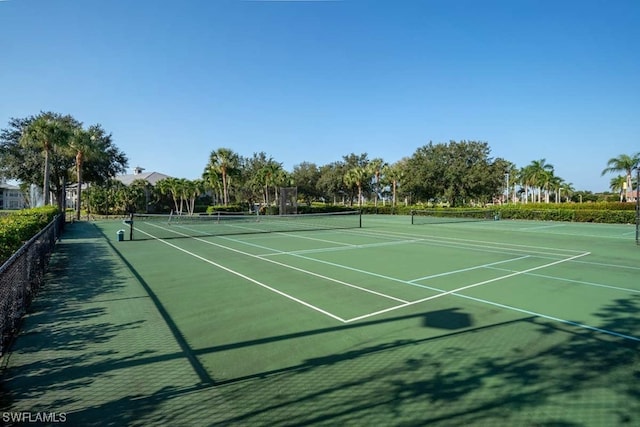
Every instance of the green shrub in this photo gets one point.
(585, 212)
(229, 208)
(18, 227)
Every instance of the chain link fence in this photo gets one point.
(21, 276)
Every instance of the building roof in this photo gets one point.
(6, 186)
(151, 177)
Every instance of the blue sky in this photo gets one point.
(316, 80)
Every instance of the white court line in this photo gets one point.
(555, 319)
(330, 249)
(357, 270)
(443, 293)
(540, 227)
(468, 269)
(455, 291)
(602, 264)
(222, 267)
(478, 244)
(311, 273)
(314, 239)
(580, 282)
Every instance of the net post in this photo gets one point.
(638, 205)
(412, 213)
(131, 226)
(360, 219)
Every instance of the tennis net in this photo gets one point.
(156, 226)
(438, 216)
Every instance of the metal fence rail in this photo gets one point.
(21, 276)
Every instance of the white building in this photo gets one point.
(11, 197)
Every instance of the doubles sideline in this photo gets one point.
(404, 304)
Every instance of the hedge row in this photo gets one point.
(18, 227)
(576, 215)
(598, 206)
(605, 212)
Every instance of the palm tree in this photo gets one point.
(623, 163)
(618, 184)
(510, 180)
(172, 187)
(189, 191)
(83, 146)
(46, 132)
(395, 174)
(269, 174)
(568, 189)
(213, 182)
(537, 174)
(547, 179)
(357, 176)
(226, 162)
(192, 190)
(524, 176)
(555, 186)
(377, 166)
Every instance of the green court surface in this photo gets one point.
(472, 323)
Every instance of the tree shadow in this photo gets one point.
(66, 314)
(525, 371)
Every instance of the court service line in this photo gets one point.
(580, 282)
(555, 319)
(539, 227)
(311, 273)
(319, 250)
(346, 267)
(468, 269)
(315, 239)
(501, 248)
(455, 291)
(244, 276)
(473, 243)
(620, 266)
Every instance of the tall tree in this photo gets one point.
(213, 181)
(457, 172)
(357, 176)
(377, 166)
(226, 162)
(269, 175)
(618, 185)
(538, 174)
(331, 182)
(394, 175)
(623, 163)
(567, 188)
(84, 145)
(47, 131)
(172, 187)
(23, 156)
(305, 176)
(356, 167)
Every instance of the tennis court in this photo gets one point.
(381, 322)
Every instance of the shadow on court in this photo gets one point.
(85, 351)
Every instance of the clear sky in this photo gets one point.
(316, 80)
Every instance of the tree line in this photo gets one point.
(54, 151)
